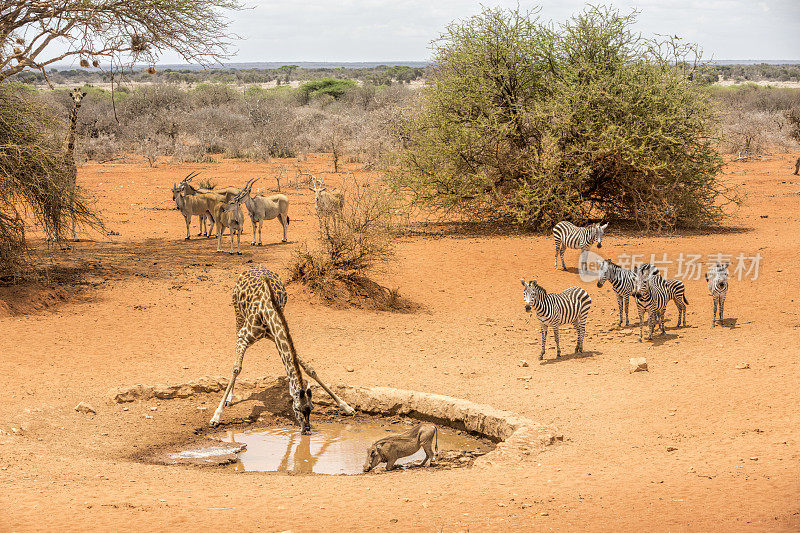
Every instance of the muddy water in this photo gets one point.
(332, 448)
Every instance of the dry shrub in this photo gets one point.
(34, 176)
(351, 246)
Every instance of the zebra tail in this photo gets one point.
(685, 300)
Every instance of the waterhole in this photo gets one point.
(335, 448)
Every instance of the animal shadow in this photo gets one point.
(730, 323)
(569, 356)
(661, 338)
(571, 270)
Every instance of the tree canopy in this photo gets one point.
(535, 123)
(37, 33)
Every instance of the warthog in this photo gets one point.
(389, 449)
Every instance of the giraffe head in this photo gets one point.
(530, 293)
(77, 96)
(302, 406)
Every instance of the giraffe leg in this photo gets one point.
(245, 340)
(544, 338)
(313, 375)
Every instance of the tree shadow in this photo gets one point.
(571, 356)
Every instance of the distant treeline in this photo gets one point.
(379, 75)
(759, 72)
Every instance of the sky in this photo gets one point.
(381, 30)
(397, 30)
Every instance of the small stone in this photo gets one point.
(125, 409)
(671, 448)
(201, 407)
(501, 504)
(742, 366)
(148, 417)
(544, 514)
(524, 363)
(463, 459)
(525, 378)
(85, 408)
(638, 364)
(350, 369)
(754, 458)
(154, 408)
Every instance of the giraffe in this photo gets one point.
(258, 301)
(69, 158)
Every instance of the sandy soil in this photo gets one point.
(693, 444)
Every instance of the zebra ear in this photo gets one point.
(523, 282)
(604, 226)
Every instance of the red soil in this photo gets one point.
(693, 444)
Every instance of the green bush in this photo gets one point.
(325, 86)
(534, 123)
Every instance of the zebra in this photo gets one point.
(571, 306)
(652, 294)
(568, 235)
(677, 293)
(717, 278)
(621, 281)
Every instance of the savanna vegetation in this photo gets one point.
(533, 123)
(519, 121)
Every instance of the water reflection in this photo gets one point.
(332, 448)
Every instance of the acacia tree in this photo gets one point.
(37, 33)
(34, 166)
(535, 123)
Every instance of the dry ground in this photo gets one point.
(155, 309)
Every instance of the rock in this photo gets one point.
(85, 408)
(638, 364)
(671, 448)
(154, 408)
(525, 378)
(544, 514)
(742, 366)
(754, 458)
(165, 392)
(350, 369)
(524, 363)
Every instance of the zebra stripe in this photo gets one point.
(717, 278)
(568, 235)
(622, 281)
(652, 294)
(676, 291)
(568, 307)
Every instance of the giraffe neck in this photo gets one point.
(283, 340)
(73, 123)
